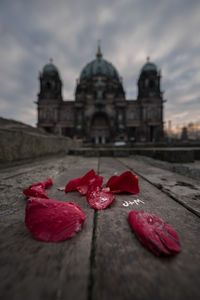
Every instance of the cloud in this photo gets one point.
(130, 30)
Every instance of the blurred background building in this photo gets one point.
(100, 112)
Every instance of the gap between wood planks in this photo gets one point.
(91, 279)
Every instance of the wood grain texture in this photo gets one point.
(104, 260)
(31, 269)
(183, 189)
(124, 269)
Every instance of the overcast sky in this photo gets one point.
(32, 31)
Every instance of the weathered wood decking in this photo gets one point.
(104, 260)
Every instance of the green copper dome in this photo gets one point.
(50, 67)
(149, 66)
(99, 66)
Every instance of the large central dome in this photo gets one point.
(99, 66)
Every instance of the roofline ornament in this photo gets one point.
(99, 53)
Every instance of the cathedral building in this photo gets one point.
(100, 113)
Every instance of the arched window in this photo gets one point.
(48, 85)
(48, 114)
(151, 84)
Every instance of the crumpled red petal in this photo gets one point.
(35, 191)
(53, 221)
(99, 197)
(81, 184)
(45, 184)
(38, 189)
(154, 233)
(126, 182)
(72, 185)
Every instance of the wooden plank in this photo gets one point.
(31, 269)
(123, 268)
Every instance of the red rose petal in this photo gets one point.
(98, 197)
(81, 184)
(35, 191)
(126, 182)
(48, 183)
(45, 184)
(72, 185)
(154, 233)
(53, 221)
(169, 238)
(83, 187)
(38, 189)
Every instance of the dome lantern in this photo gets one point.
(149, 66)
(50, 67)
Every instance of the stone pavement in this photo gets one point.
(105, 259)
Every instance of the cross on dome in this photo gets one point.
(99, 54)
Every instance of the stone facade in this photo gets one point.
(100, 113)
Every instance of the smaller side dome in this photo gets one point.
(50, 67)
(149, 66)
